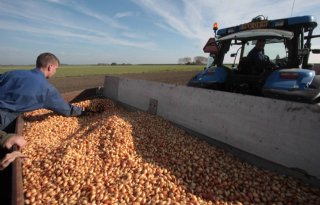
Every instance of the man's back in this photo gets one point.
(23, 90)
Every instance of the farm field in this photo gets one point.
(89, 70)
(68, 84)
(174, 74)
(70, 78)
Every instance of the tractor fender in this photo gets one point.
(285, 79)
(214, 75)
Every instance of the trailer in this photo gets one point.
(276, 135)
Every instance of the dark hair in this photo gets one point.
(44, 59)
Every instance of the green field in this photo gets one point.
(85, 70)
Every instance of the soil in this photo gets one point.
(69, 84)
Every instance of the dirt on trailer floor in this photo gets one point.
(68, 84)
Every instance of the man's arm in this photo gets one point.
(56, 103)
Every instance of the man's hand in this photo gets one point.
(10, 157)
(15, 140)
(87, 112)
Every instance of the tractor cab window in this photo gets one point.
(275, 49)
(210, 62)
(233, 55)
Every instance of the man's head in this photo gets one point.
(260, 44)
(48, 64)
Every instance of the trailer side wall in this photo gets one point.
(286, 133)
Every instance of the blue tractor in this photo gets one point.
(286, 73)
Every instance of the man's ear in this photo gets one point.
(49, 67)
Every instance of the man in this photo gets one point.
(257, 60)
(26, 90)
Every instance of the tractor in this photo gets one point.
(286, 73)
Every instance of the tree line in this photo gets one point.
(197, 60)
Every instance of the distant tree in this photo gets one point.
(185, 60)
(200, 60)
(113, 63)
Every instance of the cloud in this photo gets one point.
(194, 19)
(62, 2)
(64, 26)
(103, 18)
(98, 38)
(133, 35)
(78, 7)
(165, 27)
(124, 14)
(181, 17)
(78, 23)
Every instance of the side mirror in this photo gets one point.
(315, 51)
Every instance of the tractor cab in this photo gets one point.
(283, 58)
(291, 37)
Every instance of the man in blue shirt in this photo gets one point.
(26, 90)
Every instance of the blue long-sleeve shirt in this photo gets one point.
(26, 90)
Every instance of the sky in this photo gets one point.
(128, 31)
